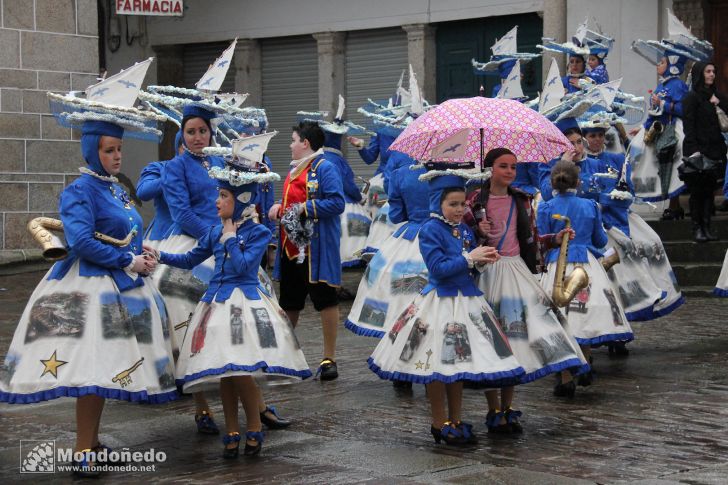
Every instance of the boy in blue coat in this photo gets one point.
(314, 191)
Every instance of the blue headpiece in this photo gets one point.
(198, 111)
(91, 133)
(566, 124)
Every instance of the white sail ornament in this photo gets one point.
(553, 89)
(120, 89)
(511, 88)
(215, 75)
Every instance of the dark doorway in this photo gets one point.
(460, 41)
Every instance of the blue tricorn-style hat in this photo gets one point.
(566, 124)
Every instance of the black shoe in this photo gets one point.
(709, 235)
(205, 423)
(585, 379)
(450, 434)
(700, 236)
(493, 422)
(402, 384)
(618, 349)
(230, 453)
(467, 431)
(673, 215)
(273, 423)
(512, 420)
(327, 370)
(85, 468)
(252, 450)
(565, 390)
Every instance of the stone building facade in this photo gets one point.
(46, 45)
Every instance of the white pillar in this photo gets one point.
(422, 55)
(554, 26)
(248, 71)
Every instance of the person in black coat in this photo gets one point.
(703, 137)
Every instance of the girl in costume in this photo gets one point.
(149, 187)
(530, 320)
(237, 329)
(596, 69)
(190, 194)
(648, 287)
(595, 316)
(94, 328)
(397, 271)
(448, 333)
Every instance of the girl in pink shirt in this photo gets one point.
(503, 219)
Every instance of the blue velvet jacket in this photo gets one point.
(91, 205)
(442, 248)
(586, 221)
(527, 177)
(599, 74)
(351, 190)
(378, 147)
(588, 167)
(408, 201)
(671, 90)
(149, 187)
(265, 199)
(324, 204)
(615, 212)
(570, 88)
(236, 260)
(190, 195)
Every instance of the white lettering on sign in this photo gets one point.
(149, 7)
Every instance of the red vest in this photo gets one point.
(294, 192)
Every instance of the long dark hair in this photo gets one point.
(495, 154)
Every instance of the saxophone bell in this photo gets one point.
(656, 129)
(565, 289)
(53, 248)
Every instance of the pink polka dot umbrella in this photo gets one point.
(481, 124)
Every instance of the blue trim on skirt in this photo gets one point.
(218, 371)
(575, 364)
(669, 309)
(121, 395)
(364, 332)
(494, 379)
(605, 339)
(659, 198)
(720, 292)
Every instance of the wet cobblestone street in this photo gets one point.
(658, 416)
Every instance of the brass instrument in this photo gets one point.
(610, 260)
(54, 249)
(654, 132)
(565, 289)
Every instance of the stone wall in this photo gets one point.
(47, 45)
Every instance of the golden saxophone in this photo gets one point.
(655, 130)
(565, 289)
(54, 249)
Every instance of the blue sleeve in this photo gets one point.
(268, 200)
(150, 182)
(331, 203)
(544, 180)
(440, 264)
(599, 235)
(673, 103)
(176, 192)
(246, 256)
(543, 219)
(192, 258)
(371, 152)
(79, 224)
(397, 209)
(347, 176)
